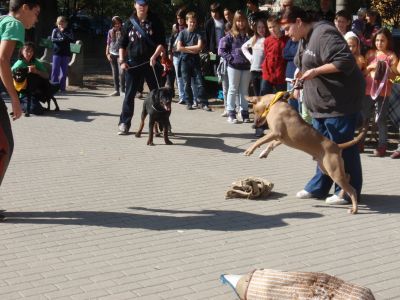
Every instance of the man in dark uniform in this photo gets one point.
(143, 41)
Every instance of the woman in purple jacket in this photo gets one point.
(238, 67)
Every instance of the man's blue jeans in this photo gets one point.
(339, 130)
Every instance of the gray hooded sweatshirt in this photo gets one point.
(336, 94)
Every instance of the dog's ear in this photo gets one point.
(253, 99)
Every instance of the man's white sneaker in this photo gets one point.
(336, 200)
(303, 194)
(224, 114)
(122, 129)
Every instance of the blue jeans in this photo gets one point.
(193, 81)
(339, 130)
(133, 82)
(238, 88)
(269, 88)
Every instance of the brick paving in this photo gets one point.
(94, 215)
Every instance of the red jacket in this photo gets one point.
(274, 66)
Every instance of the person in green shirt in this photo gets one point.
(23, 15)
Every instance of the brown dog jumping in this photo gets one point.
(287, 127)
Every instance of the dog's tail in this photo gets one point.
(359, 138)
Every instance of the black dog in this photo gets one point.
(158, 106)
(35, 86)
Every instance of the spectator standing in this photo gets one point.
(342, 21)
(143, 41)
(112, 53)
(215, 30)
(23, 14)
(371, 27)
(333, 92)
(61, 37)
(253, 50)
(325, 12)
(355, 47)
(274, 65)
(228, 16)
(238, 67)
(379, 90)
(254, 13)
(177, 27)
(358, 25)
(189, 43)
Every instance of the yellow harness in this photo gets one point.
(277, 97)
(19, 86)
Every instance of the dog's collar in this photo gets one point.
(157, 109)
(278, 96)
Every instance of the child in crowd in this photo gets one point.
(61, 37)
(189, 43)
(256, 56)
(35, 67)
(358, 25)
(238, 67)
(174, 55)
(222, 71)
(355, 47)
(343, 21)
(382, 50)
(372, 25)
(112, 54)
(274, 65)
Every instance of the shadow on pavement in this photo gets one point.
(161, 219)
(374, 204)
(383, 204)
(213, 141)
(77, 115)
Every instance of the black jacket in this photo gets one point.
(211, 44)
(139, 50)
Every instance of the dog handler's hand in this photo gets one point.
(309, 74)
(153, 61)
(16, 109)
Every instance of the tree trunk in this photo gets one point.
(47, 20)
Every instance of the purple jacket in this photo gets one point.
(230, 50)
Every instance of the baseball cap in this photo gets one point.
(142, 2)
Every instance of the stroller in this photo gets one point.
(33, 89)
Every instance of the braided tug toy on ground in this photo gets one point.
(265, 284)
(250, 188)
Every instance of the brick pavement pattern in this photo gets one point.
(94, 215)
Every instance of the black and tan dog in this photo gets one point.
(158, 106)
(287, 127)
(35, 86)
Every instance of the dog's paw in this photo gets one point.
(137, 135)
(150, 143)
(157, 134)
(57, 109)
(248, 152)
(169, 142)
(27, 115)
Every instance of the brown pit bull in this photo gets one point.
(287, 127)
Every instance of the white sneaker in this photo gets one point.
(113, 94)
(224, 114)
(232, 120)
(336, 200)
(122, 129)
(303, 194)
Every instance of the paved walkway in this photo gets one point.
(94, 215)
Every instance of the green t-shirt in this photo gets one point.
(20, 63)
(12, 30)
